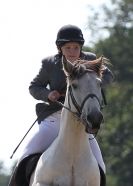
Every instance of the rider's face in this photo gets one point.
(71, 51)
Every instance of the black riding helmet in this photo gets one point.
(69, 33)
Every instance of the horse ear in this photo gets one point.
(67, 66)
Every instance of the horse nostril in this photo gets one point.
(95, 118)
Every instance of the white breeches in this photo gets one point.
(45, 134)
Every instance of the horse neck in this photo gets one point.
(72, 133)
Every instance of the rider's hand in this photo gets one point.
(54, 95)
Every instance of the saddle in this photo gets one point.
(23, 172)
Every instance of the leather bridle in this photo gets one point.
(80, 108)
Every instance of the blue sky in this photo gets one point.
(28, 32)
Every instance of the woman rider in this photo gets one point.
(49, 86)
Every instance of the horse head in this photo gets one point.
(84, 79)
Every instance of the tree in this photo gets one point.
(116, 136)
(118, 23)
(4, 178)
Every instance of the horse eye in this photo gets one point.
(74, 85)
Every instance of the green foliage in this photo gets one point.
(118, 49)
(4, 178)
(116, 138)
(116, 135)
(118, 21)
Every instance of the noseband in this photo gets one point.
(80, 108)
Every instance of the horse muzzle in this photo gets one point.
(92, 121)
